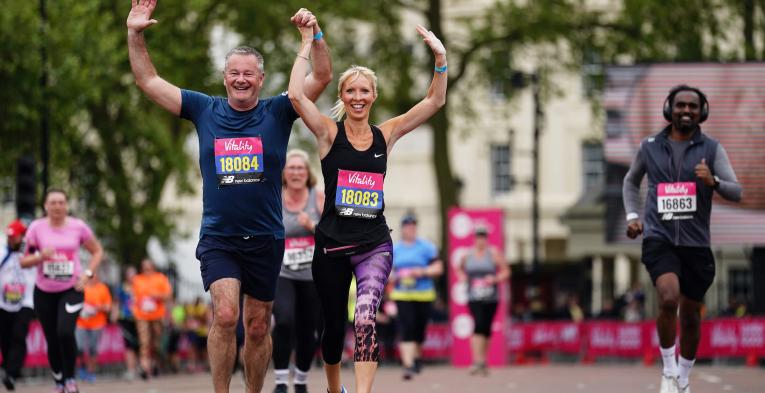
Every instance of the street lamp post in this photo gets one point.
(44, 111)
(522, 80)
(538, 118)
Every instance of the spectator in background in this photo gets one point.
(635, 296)
(568, 308)
(122, 314)
(198, 319)
(151, 290)
(520, 313)
(538, 308)
(177, 319)
(16, 304)
(607, 311)
(735, 309)
(633, 312)
(90, 325)
(575, 312)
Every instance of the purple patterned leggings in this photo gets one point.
(332, 277)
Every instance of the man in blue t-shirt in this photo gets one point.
(242, 149)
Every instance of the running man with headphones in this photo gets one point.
(684, 168)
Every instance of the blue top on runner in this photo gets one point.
(241, 157)
(407, 256)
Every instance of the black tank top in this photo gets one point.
(353, 185)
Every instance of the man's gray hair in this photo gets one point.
(246, 50)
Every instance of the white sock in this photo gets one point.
(669, 360)
(282, 376)
(300, 378)
(685, 370)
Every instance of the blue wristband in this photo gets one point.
(440, 70)
(318, 35)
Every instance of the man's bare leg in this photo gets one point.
(257, 342)
(668, 293)
(221, 341)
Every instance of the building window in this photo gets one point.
(592, 74)
(614, 123)
(593, 168)
(501, 177)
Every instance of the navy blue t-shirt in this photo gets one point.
(241, 157)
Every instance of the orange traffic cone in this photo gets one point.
(649, 357)
(751, 359)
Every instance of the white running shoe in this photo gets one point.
(686, 389)
(668, 384)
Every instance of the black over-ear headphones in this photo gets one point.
(670, 100)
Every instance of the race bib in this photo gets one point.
(359, 194)
(238, 160)
(60, 267)
(298, 252)
(481, 288)
(676, 197)
(13, 293)
(148, 305)
(88, 311)
(406, 279)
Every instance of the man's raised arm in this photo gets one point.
(157, 89)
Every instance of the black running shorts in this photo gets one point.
(694, 266)
(253, 260)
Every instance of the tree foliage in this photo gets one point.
(113, 149)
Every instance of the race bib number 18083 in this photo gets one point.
(359, 194)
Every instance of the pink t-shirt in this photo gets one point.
(60, 272)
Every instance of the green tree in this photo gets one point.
(692, 30)
(111, 147)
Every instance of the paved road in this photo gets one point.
(437, 379)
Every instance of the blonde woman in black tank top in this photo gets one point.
(352, 236)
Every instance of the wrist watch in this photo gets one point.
(88, 273)
(717, 182)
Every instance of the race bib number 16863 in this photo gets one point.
(676, 197)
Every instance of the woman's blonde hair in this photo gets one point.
(311, 182)
(350, 75)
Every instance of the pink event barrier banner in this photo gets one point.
(462, 224)
(732, 337)
(111, 348)
(565, 337)
(623, 339)
(719, 338)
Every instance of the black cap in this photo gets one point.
(481, 231)
(409, 219)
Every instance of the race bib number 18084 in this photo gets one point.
(676, 197)
(238, 160)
